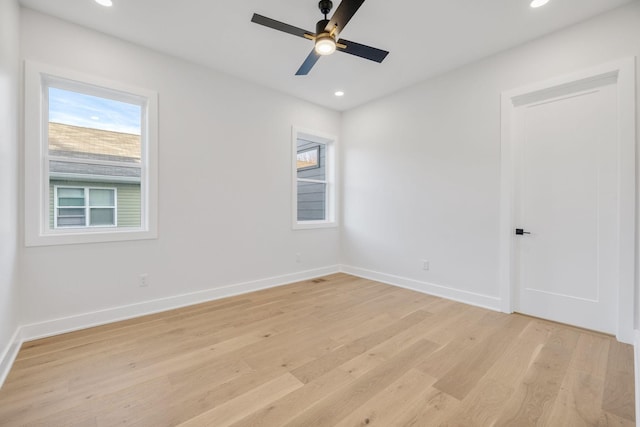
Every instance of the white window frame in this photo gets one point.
(87, 207)
(331, 208)
(38, 231)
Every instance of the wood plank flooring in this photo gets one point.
(342, 351)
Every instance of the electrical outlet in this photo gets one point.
(425, 265)
(298, 258)
(143, 280)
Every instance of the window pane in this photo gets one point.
(71, 192)
(311, 160)
(308, 159)
(95, 141)
(101, 197)
(71, 222)
(311, 201)
(70, 202)
(69, 212)
(92, 127)
(71, 217)
(102, 216)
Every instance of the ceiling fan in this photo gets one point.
(326, 38)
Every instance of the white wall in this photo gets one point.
(421, 167)
(8, 175)
(225, 213)
(420, 173)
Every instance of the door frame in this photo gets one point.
(622, 74)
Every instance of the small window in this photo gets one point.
(85, 207)
(91, 159)
(308, 158)
(314, 180)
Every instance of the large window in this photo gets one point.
(91, 159)
(314, 192)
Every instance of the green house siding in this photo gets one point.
(128, 203)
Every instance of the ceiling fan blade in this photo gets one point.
(343, 14)
(308, 63)
(280, 26)
(363, 51)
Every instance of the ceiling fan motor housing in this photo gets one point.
(320, 26)
(325, 6)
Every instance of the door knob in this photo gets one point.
(520, 231)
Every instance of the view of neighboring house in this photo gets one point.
(312, 180)
(94, 177)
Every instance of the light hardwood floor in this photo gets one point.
(342, 351)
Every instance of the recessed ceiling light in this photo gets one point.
(339, 93)
(538, 3)
(106, 3)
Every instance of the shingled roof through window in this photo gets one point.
(81, 142)
(75, 142)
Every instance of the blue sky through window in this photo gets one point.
(78, 109)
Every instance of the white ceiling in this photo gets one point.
(424, 37)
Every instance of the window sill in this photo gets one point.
(308, 225)
(94, 236)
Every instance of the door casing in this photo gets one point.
(622, 72)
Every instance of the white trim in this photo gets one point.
(636, 369)
(466, 297)
(624, 73)
(36, 173)
(331, 159)
(115, 314)
(9, 355)
(308, 225)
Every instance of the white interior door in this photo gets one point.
(567, 197)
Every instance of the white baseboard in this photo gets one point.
(115, 314)
(101, 317)
(636, 366)
(9, 355)
(484, 301)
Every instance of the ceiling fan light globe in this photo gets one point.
(325, 45)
